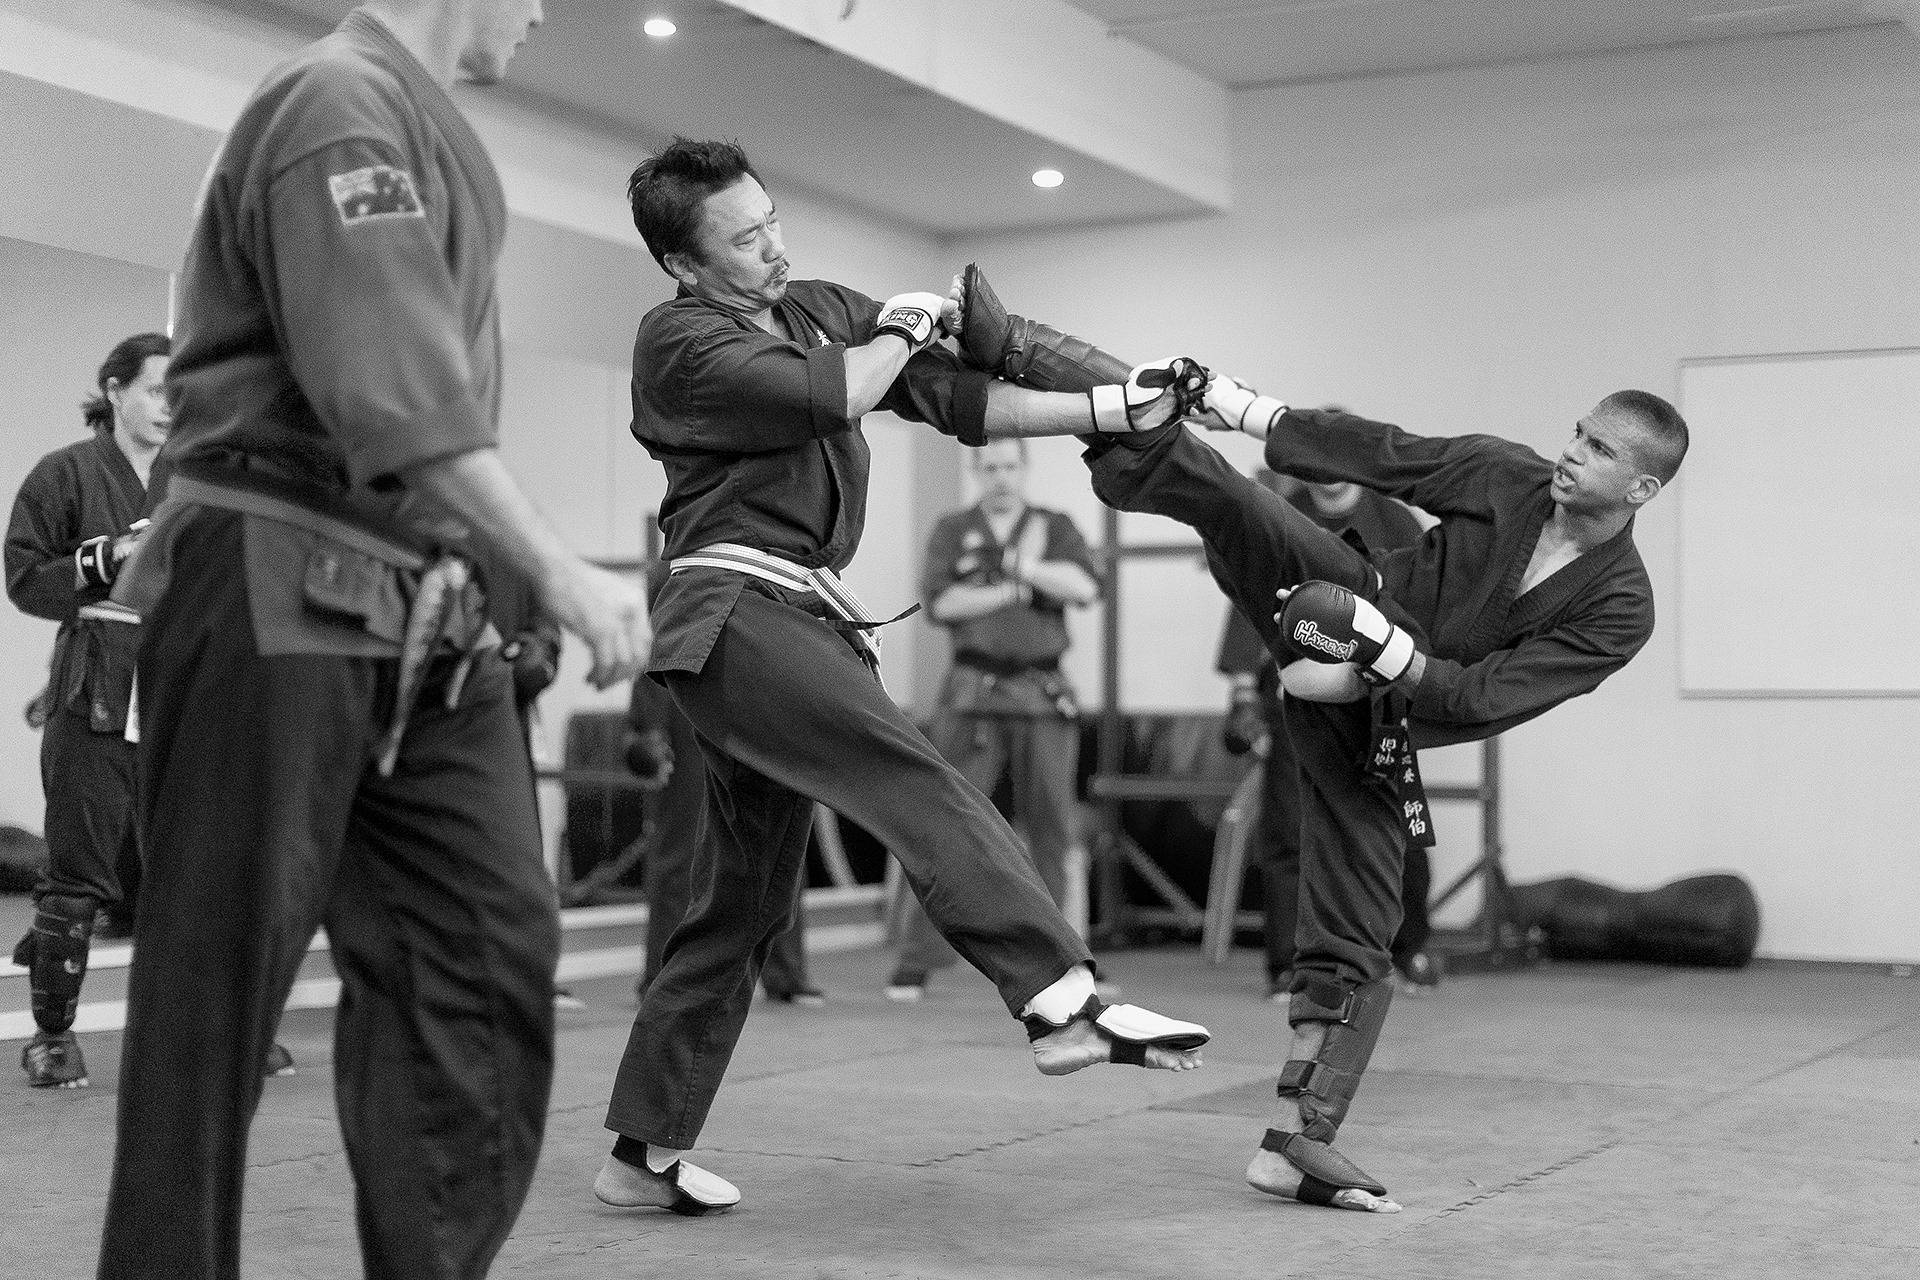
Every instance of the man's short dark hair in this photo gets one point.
(667, 190)
(1663, 432)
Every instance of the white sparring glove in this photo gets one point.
(1153, 395)
(913, 316)
(1234, 406)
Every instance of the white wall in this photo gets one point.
(114, 109)
(1493, 249)
(1481, 249)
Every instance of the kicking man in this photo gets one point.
(1529, 592)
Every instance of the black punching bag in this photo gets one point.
(1709, 920)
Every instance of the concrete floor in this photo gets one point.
(1569, 1121)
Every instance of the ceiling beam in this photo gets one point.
(1042, 66)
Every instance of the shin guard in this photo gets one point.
(1323, 1088)
(54, 954)
(1028, 352)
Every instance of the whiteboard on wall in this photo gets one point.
(1800, 526)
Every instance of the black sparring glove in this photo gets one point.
(1331, 624)
(534, 658)
(1246, 725)
(650, 758)
(94, 564)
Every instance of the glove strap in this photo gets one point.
(911, 323)
(93, 562)
(1258, 417)
(1110, 408)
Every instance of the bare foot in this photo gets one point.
(1081, 1044)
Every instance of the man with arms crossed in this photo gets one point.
(749, 388)
(328, 730)
(1528, 593)
(1001, 575)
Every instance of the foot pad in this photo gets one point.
(681, 1188)
(1323, 1171)
(1126, 1030)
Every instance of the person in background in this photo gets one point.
(75, 521)
(1001, 575)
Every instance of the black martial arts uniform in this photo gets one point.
(676, 826)
(752, 429)
(1495, 658)
(337, 326)
(73, 496)
(1380, 524)
(1005, 708)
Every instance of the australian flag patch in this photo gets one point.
(373, 193)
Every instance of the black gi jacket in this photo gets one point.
(753, 432)
(338, 320)
(1493, 661)
(86, 490)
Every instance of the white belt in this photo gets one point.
(824, 583)
(108, 611)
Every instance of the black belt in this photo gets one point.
(1393, 767)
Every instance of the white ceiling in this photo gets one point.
(812, 116)
(1245, 43)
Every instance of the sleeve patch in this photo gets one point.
(374, 193)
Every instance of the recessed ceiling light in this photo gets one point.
(659, 28)
(1048, 177)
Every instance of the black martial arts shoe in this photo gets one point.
(809, 997)
(681, 1188)
(52, 1060)
(1417, 974)
(278, 1062)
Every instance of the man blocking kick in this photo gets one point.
(749, 387)
(1527, 593)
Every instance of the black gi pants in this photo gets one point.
(88, 779)
(787, 714)
(1277, 838)
(265, 820)
(679, 808)
(1038, 755)
(1352, 843)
